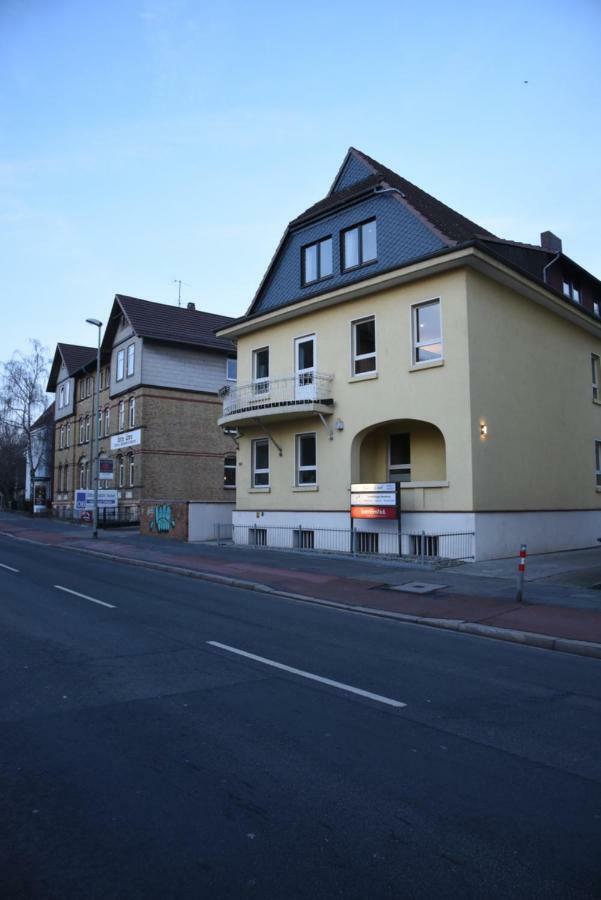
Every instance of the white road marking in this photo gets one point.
(337, 684)
(59, 587)
(10, 568)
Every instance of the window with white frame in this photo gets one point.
(231, 368)
(61, 397)
(61, 442)
(120, 365)
(399, 457)
(598, 462)
(596, 375)
(131, 359)
(427, 332)
(596, 308)
(260, 463)
(87, 429)
(121, 470)
(229, 472)
(359, 245)
(59, 478)
(364, 345)
(68, 434)
(99, 424)
(82, 389)
(89, 386)
(131, 467)
(67, 393)
(82, 433)
(66, 477)
(261, 370)
(132, 412)
(316, 261)
(121, 415)
(107, 421)
(306, 459)
(82, 474)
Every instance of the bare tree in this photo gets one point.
(23, 399)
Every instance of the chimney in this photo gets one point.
(550, 241)
(193, 305)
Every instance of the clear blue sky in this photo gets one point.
(145, 140)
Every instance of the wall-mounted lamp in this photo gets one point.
(483, 429)
(339, 425)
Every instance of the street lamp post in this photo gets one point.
(95, 435)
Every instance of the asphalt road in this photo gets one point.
(138, 760)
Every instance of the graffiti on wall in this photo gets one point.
(161, 517)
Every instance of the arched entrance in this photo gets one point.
(405, 450)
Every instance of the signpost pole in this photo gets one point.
(398, 502)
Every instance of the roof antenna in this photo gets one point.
(179, 283)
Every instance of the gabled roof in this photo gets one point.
(173, 324)
(74, 356)
(450, 227)
(47, 418)
(450, 223)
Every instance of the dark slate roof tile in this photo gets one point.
(162, 322)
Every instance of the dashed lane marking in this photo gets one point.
(67, 590)
(329, 681)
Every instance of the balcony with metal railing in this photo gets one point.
(275, 399)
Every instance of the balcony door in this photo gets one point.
(304, 368)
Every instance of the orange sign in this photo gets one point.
(373, 512)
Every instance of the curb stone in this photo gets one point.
(526, 638)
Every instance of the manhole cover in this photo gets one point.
(417, 587)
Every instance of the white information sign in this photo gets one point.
(84, 500)
(126, 439)
(373, 499)
(387, 487)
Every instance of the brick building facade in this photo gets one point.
(161, 371)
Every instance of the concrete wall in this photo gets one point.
(530, 381)
(204, 519)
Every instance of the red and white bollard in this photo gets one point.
(521, 569)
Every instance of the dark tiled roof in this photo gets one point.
(162, 322)
(450, 223)
(340, 198)
(47, 418)
(76, 357)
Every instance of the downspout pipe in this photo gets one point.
(549, 264)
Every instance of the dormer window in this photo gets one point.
(359, 245)
(317, 261)
(571, 290)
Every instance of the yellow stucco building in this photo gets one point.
(394, 341)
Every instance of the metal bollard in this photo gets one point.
(521, 569)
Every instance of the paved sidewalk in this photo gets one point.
(466, 602)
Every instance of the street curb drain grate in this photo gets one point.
(417, 587)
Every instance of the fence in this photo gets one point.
(307, 387)
(107, 518)
(419, 547)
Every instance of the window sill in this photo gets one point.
(259, 490)
(408, 485)
(432, 364)
(229, 487)
(303, 488)
(366, 376)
